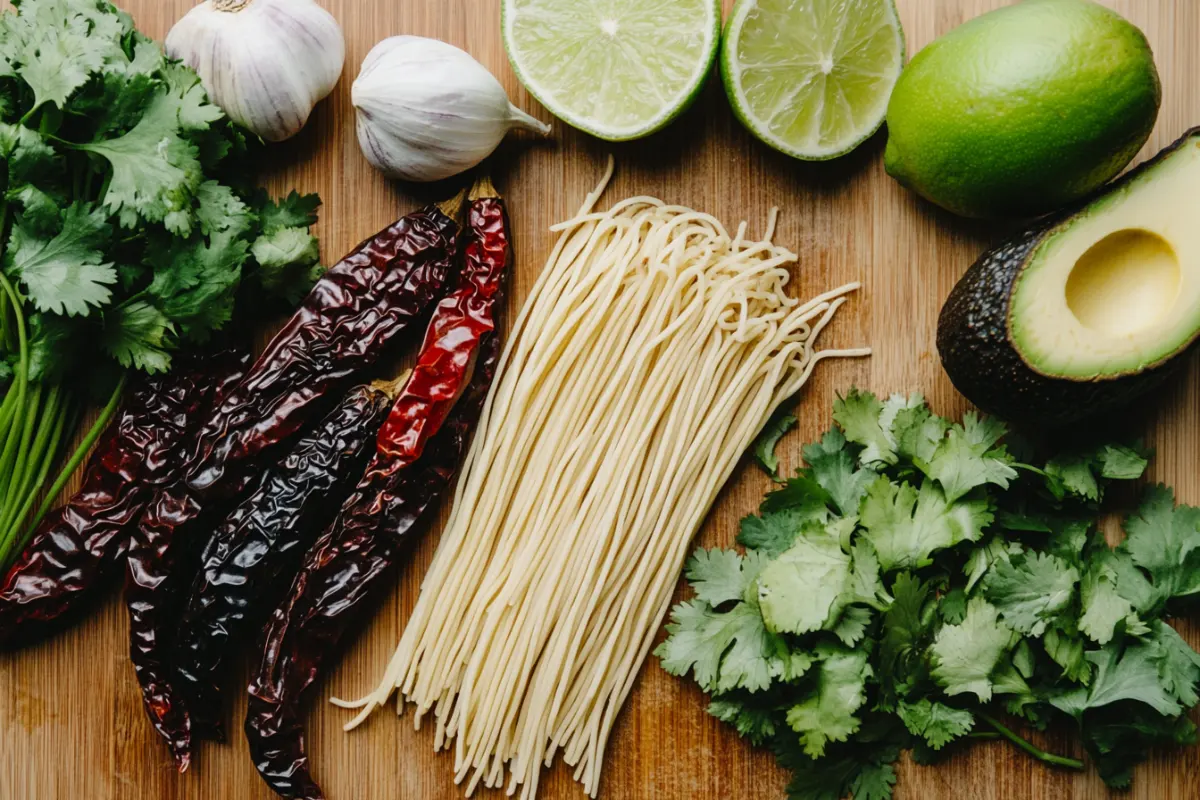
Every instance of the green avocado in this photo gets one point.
(1083, 313)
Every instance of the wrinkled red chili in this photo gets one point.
(379, 522)
(78, 546)
(260, 544)
(460, 321)
(357, 308)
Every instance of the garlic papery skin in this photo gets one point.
(266, 63)
(427, 110)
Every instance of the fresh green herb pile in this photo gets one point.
(917, 585)
(128, 229)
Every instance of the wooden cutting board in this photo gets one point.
(71, 722)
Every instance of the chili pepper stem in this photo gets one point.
(453, 207)
(482, 188)
(392, 388)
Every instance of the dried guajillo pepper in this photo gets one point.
(78, 546)
(262, 541)
(345, 324)
(357, 308)
(346, 568)
(419, 451)
(451, 343)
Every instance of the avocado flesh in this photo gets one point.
(1116, 288)
(1085, 312)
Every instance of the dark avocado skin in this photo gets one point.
(977, 351)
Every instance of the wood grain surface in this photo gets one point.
(71, 722)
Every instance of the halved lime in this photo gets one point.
(812, 78)
(618, 69)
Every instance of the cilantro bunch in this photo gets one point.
(128, 229)
(916, 586)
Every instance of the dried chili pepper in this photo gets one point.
(378, 522)
(347, 566)
(358, 307)
(452, 339)
(79, 545)
(265, 537)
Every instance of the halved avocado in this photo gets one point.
(1082, 314)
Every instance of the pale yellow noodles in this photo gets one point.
(651, 352)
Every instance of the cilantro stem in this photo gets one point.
(51, 426)
(15, 468)
(89, 439)
(1029, 747)
(21, 382)
(29, 114)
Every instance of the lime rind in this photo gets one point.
(596, 81)
(866, 55)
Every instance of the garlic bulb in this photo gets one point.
(427, 110)
(265, 62)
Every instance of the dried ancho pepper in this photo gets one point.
(345, 324)
(260, 544)
(359, 307)
(78, 546)
(419, 451)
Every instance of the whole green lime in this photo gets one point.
(1023, 110)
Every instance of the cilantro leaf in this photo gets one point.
(1165, 542)
(1030, 590)
(1103, 605)
(64, 274)
(1065, 648)
(831, 465)
(862, 771)
(155, 171)
(1132, 674)
(727, 650)
(851, 626)
(287, 263)
(803, 589)
(193, 110)
(764, 445)
(918, 433)
(1119, 741)
(40, 212)
(874, 782)
(59, 46)
(968, 457)
(1083, 473)
(772, 533)
(934, 722)
(294, 211)
(1178, 664)
(136, 336)
(828, 715)
(866, 421)
(720, 576)
(752, 721)
(220, 210)
(907, 527)
(996, 550)
(965, 655)
(29, 156)
(905, 628)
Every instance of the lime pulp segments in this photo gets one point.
(812, 78)
(618, 69)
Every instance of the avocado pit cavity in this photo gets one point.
(1125, 283)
